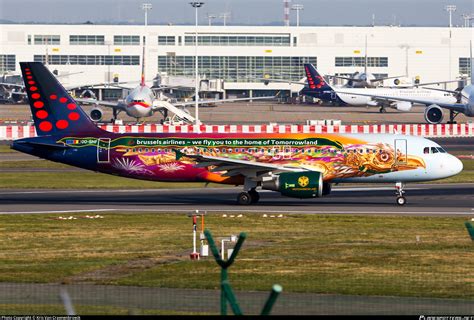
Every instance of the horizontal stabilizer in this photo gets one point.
(46, 145)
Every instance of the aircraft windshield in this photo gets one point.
(428, 150)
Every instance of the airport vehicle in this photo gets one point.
(399, 99)
(296, 165)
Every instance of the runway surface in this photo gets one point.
(422, 200)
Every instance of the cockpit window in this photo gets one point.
(426, 150)
(434, 150)
(441, 150)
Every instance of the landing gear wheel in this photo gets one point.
(382, 110)
(254, 195)
(401, 201)
(244, 198)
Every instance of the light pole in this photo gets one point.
(146, 7)
(467, 19)
(224, 16)
(196, 5)
(210, 17)
(297, 8)
(450, 9)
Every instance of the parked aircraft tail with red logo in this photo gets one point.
(315, 81)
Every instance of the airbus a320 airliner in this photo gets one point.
(296, 165)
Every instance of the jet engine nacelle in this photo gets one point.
(326, 188)
(403, 106)
(372, 103)
(296, 184)
(433, 114)
(96, 114)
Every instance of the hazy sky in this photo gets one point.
(247, 12)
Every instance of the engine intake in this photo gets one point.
(433, 114)
(96, 114)
(296, 184)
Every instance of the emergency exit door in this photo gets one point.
(103, 150)
(401, 156)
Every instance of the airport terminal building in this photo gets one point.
(238, 55)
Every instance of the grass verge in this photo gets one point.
(360, 255)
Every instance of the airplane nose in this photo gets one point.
(456, 165)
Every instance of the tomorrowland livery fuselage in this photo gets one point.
(297, 165)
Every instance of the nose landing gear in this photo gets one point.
(401, 200)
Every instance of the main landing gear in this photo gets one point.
(401, 200)
(382, 110)
(250, 197)
(452, 116)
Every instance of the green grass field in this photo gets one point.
(360, 255)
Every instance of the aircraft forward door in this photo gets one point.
(103, 150)
(401, 156)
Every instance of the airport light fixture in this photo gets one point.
(467, 19)
(297, 8)
(146, 7)
(450, 9)
(196, 5)
(210, 17)
(225, 16)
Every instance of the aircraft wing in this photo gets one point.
(442, 90)
(168, 87)
(6, 84)
(236, 167)
(437, 82)
(68, 74)
(345, 78)
(450, 106)
(109, 104)
(385, 78)
(282, 81)
(105, 84)
(191, 103)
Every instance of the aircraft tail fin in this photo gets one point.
(54, 110)
(315, 81)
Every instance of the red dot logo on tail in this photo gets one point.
(319, 82)
(41, 114)
(62, 124)
(45, 126)
(38, 104)
(73, 116)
